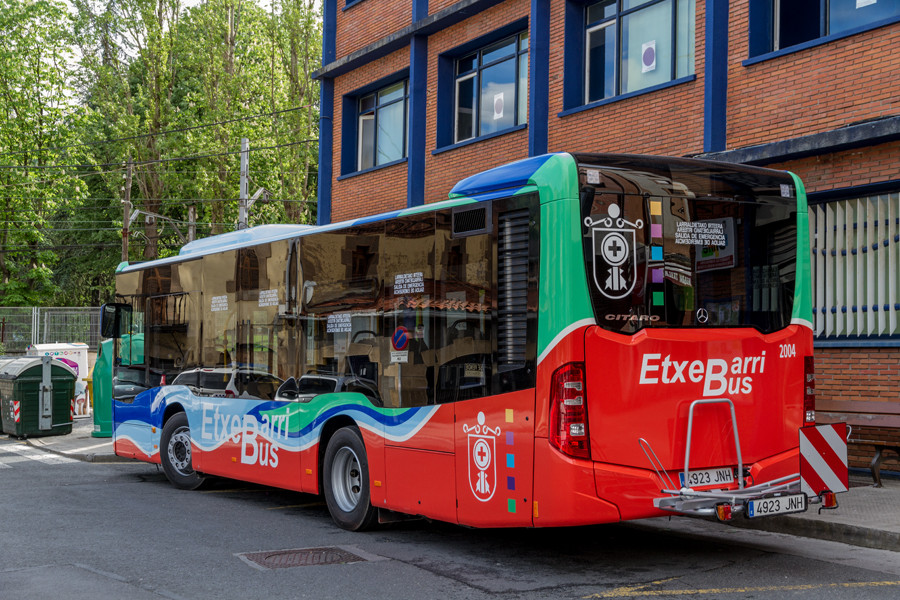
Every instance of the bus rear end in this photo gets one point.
(691, 388)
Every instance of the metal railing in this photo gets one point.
(21, 327)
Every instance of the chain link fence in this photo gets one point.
(21, 327)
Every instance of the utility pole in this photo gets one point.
(243, 209)
(126, 217)
(192, 223)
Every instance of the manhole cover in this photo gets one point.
(303, 557)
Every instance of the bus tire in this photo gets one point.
(175, 453)
(346, 481)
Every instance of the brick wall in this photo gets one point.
(818, 89)
(369, 21)
(846, 375)
(861, 166)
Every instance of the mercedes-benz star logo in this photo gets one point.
(702, 315)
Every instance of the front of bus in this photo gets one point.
(692, 387)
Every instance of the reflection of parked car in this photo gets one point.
(229, 382)
(130, 381)
(311, 385)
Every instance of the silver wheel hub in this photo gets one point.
(346, 479)
(179, 451)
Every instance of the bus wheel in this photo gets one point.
(346, 481)
(175, 453)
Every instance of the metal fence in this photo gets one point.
(21, 327)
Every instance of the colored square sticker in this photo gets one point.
(510, 461)
(656, 253)
(509, 415)
(656, 275)
(658, 298)
(509, 438)
(511, 505)
(656, 230)
(511, 483)
(655, 208)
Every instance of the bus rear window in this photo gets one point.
(692, 248)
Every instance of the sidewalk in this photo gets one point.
(866, 516)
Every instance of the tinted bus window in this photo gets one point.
(686, 248)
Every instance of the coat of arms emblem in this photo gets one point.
(615, 249)
(482, 466)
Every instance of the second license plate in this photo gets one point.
(782, 505)
(724, 476)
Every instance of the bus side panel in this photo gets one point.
(250, 440)
(132, 428)
(495, 460)
(419, 469)
(420, 482)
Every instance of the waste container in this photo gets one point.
(102, 393)
(36, 396)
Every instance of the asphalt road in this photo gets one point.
(119, 531)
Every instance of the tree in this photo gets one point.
(38, 124)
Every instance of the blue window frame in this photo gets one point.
(619, 47)
(382, 126)
(491, 88)
(781, 24)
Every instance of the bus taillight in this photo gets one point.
(568, 412)
(809, 390)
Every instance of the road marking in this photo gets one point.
(37, 455)
(638, 591)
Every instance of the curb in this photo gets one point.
(83, 457)
(854, 535)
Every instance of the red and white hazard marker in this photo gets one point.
(823, 459)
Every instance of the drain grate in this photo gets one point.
(302, 557)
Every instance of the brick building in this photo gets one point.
(417, 95)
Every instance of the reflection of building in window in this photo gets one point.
(798, 21)
(248, 270)
(492, 88)
(157, 280)
(382, 126)
(633, 45)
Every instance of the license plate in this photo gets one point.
(723, 476)
(782, 505)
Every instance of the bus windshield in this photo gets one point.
(687, 244)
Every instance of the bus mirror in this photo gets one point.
(113, 319)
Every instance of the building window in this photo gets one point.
(855, 254)
(381, 126)
(635, 44)
(492, 88)
(798, 21)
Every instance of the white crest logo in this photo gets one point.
(482, 466)
(615, 264)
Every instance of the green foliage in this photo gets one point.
(104, 83)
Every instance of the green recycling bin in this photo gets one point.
(36, 395)
(102, 393)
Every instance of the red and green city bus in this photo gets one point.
(569, 339)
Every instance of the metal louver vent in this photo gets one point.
(470, 221)
(512, 282)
